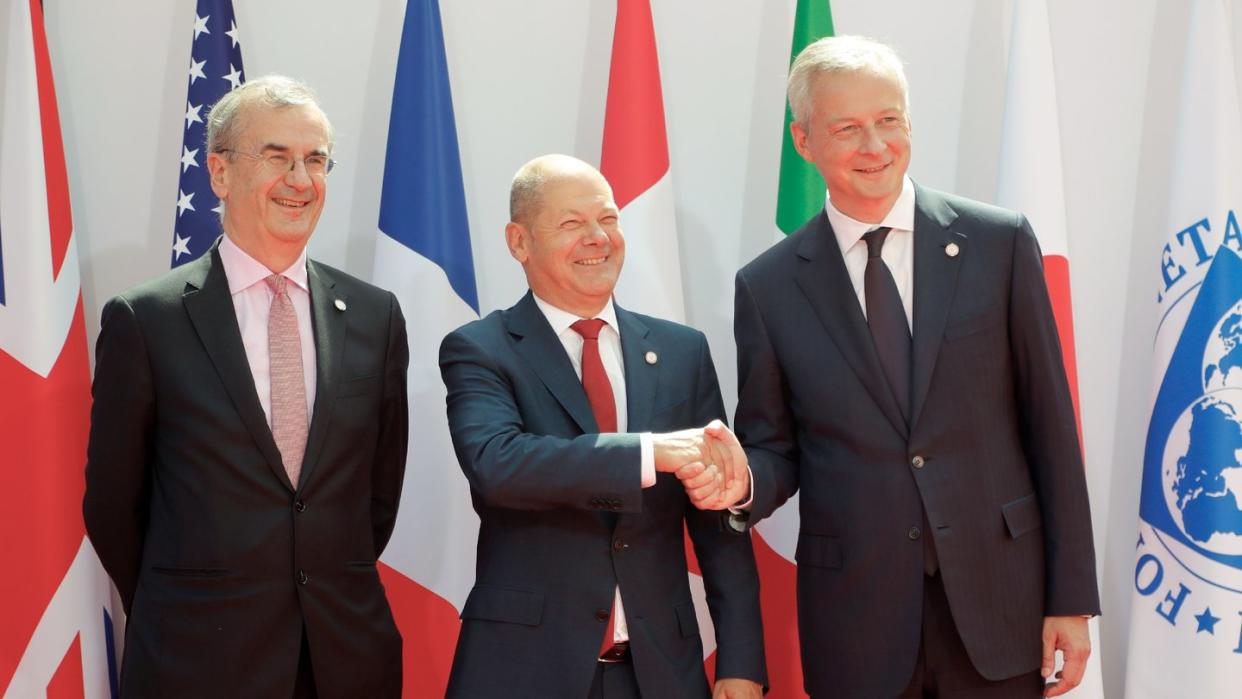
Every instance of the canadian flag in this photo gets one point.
(56, 638)
(1030, 180)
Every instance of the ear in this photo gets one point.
(799, 139)
(217, 168)
(518, 239)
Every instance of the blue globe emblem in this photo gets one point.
(1202, 465)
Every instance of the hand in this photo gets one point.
(1068, 634)
(736, 688)
(726, 449)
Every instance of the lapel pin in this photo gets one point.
(952, 249)
(651, 357)
(340, 305)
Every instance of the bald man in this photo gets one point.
(578, 425)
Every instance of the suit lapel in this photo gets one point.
(543, 352)
(329, 324)
(822, 276)
(641, 377)
(935, 281)
(210, 306)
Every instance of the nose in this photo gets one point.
(298, 177)
(872, 142)
(594, 234)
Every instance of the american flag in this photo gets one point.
(215, 68)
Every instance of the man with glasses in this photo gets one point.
(248, 438)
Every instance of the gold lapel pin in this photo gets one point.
(651, 357)
(340, 305)
(952, 249)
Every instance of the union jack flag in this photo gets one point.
(215, 68)
(56, 638)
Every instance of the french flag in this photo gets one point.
(56, 638)
(423, 255)
(1030, 180)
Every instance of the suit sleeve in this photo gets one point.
(727, 561)
(388, 471)
(510, 467)
(118, 468)
(1050, 436)
(764, 422)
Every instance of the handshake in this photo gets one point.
(709, 462)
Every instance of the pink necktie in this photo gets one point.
(284, 348)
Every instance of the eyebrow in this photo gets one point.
(281, 148)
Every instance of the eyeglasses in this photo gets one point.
(316, 165)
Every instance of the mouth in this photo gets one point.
(291, 203)
(872, 170)
(592, 261)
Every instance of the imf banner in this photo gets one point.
(1186, 628)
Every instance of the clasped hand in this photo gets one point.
(709, 462)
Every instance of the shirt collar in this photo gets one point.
(243, 271)
(560, 319)
(849, 230)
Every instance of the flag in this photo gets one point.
(1186, 604)
(215, 68)
(801, 193)
(422, 254)
(634, 160)
(1030, 180)
(56, 638)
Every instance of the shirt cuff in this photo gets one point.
(745, 506)
(646, 447)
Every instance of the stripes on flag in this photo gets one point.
(53, 638)
(634, 160)
(215, 68)
(423, 255)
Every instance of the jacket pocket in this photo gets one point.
(360, 386)
(177, 572)
(819, 551)
(687, 620)
(1022, 515)
(972, 326)
(491, 603)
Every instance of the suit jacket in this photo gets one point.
(220, 562)
(991, 455)
(564, 518)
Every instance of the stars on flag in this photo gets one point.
(215, 68)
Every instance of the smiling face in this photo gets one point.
(571, 246)
(270, 212)
(858, 137)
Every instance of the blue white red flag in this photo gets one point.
(56, 635)
(422, 253)
(215, 68)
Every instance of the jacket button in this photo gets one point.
(619, 545)
(302, 579)
(299, 506)
(601, 615)
(917, 462)
(915, 533)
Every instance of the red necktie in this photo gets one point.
(599, 394)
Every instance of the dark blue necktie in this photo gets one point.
(886, 316)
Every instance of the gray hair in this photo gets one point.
(837, 55)
(225, 120)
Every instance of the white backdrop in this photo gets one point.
(530, 77)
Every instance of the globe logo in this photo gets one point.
(1202, 465)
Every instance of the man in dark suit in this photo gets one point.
(248, 438)
(899, 366)
(552, 406)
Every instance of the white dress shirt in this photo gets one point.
(614, 366)
(897, 253)
(252, 302)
